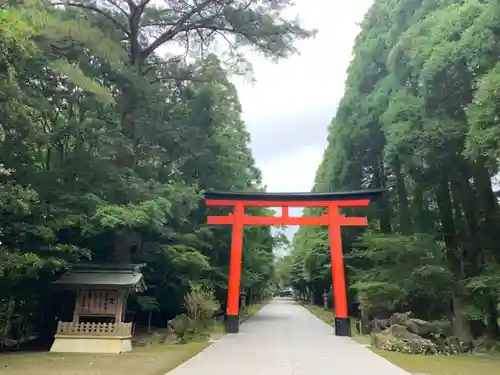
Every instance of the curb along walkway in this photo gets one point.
(284, 338)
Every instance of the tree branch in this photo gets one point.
(96, 10)
(179, 27)
(144, 3)
(115, 4)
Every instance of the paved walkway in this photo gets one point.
(283, 338)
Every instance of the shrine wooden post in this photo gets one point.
(333, 202)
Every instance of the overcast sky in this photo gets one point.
(289, 108)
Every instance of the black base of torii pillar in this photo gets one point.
(342, 327)
(232, 323)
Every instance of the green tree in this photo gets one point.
(418, 118)
(107, 145)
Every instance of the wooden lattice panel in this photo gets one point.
(94, 329)
(97, 302)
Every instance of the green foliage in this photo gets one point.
(486, 283)
(201, 305)
(284, 272)
(418, 118)
(107, 147)
(148, 303)
(395, 269)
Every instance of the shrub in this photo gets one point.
(201, 305)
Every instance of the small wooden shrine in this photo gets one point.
(98, 318)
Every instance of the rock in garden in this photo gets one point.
(171, 339)
(442, 328)
(380, 324)
(397, 338)
(419, 326)
(180, 325)
(400, 318)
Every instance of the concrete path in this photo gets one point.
(284, 338)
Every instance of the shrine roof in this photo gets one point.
(298, 197)
(103, 275)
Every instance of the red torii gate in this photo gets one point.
(333, 219)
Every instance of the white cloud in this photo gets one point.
(293, 101)
(315, 76)
(312, 82)
(298, 166)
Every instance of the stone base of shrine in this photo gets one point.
(89, 344)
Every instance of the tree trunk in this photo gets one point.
(121, 250)
(423, 223)
(461, 324)
(149, 321)
(405, 215)
(489, 204)
(466, 199)
(365, 326)
(8, 321)
(492, 328)
(384, 211)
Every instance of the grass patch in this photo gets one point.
(420, 364)
(444, 365)
(218, 327)
(153, 360)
